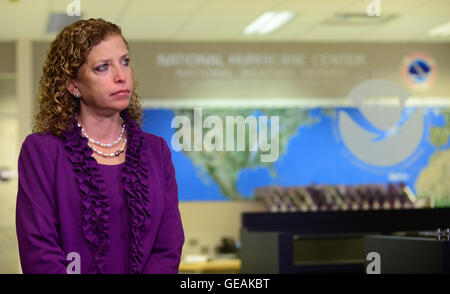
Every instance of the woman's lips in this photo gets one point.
(121, 93)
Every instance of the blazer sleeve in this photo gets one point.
(36, 212)
(166, 252)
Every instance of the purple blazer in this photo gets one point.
(115, 219)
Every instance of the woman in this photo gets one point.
(96, 193)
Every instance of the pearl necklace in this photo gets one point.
(109, 155)
(105, 144)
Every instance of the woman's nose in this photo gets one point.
(119, 75)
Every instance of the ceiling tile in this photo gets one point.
(215, 20)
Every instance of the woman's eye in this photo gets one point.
(102, 67)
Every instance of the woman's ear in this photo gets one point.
(72, 88)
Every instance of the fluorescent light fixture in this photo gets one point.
(442, 30)
(268, 22)
(258, 23)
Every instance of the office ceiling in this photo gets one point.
(224, 20)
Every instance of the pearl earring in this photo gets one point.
(77, 95)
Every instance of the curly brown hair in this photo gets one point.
(55, 105)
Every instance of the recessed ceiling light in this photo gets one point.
(58, 21)
(268, 22)
(357, 19)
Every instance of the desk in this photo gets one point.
(212, 266)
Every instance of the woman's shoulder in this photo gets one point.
(153, 139)
(39, 148)
(156, 143)
(43, 140)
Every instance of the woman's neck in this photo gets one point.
(105, 129)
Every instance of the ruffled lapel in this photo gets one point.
(135, 180)
(95, 202)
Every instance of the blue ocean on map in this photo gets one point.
(314, 154)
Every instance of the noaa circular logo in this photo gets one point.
(379, 130)
(419, 70)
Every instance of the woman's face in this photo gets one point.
(104, 81)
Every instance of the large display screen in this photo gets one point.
(331, 146)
